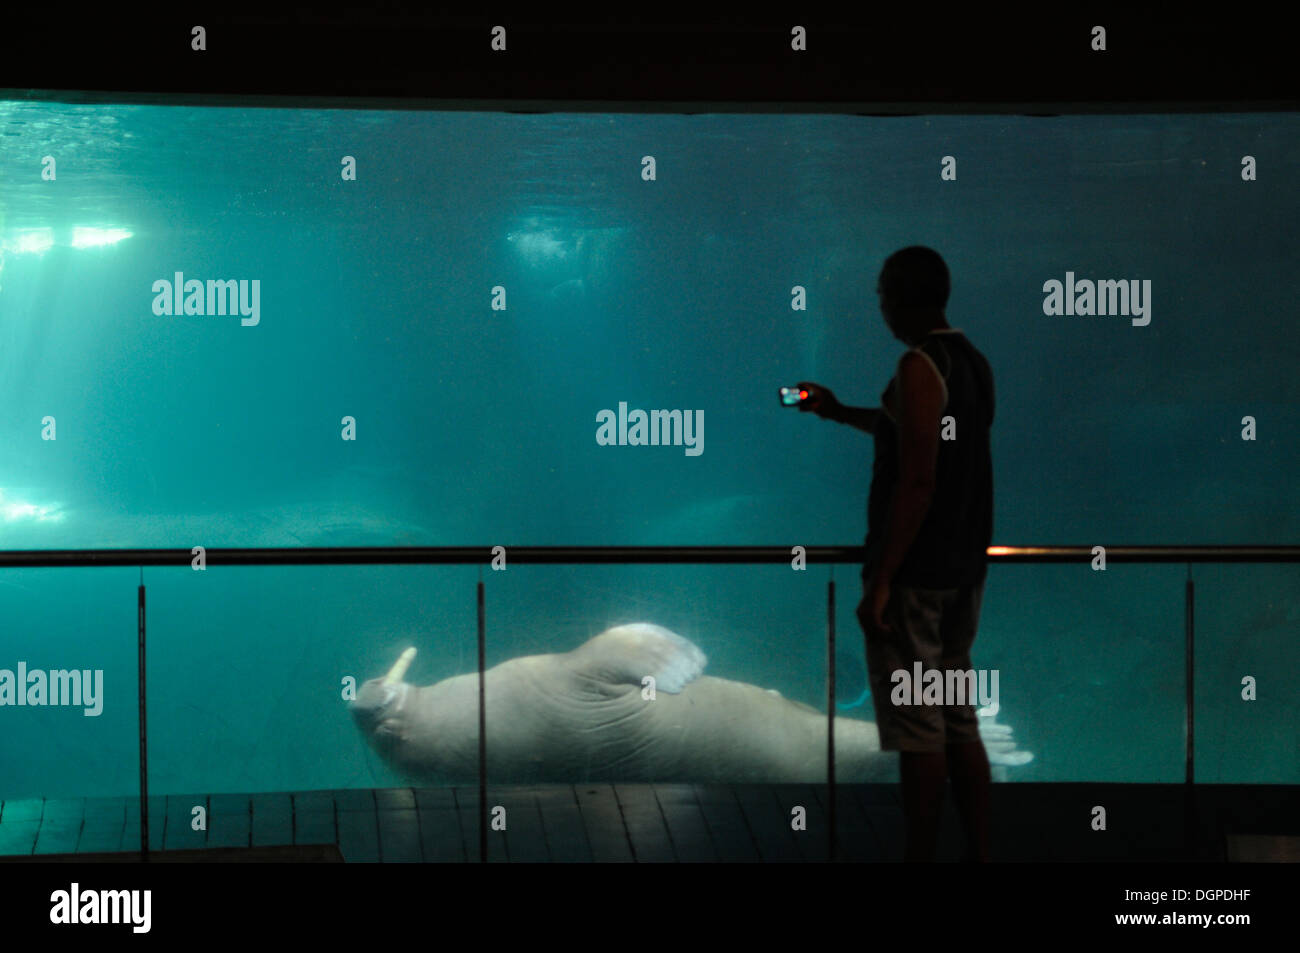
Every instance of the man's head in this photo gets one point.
(913, 289)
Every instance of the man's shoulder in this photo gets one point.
(965, 342)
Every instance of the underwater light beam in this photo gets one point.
(35, 242)
(87, 237)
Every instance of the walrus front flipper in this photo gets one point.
(626, 654)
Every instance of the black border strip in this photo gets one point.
(931, 59)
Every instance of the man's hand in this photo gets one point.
(871, 610)
(821, 401)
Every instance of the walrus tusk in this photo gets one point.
(398, 671)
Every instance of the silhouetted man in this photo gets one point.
(930, 520)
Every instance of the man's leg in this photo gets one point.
(915, 616)
(923, 775)
(968, 762)
(968, 766)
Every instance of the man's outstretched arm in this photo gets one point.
(863, 418)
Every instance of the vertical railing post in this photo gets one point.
(144, 747)
(1189, 737)
(830, 719)
(482, 731)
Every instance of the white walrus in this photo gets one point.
(584, 716)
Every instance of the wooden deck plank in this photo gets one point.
(566, 836)
(57, 837)
(769, 822)
(644, 821)
(556, 823)
(157, 823)
(313, 802)
(22, 809)
(434, 798)
(951, 843)
(690, 835)
(887, 827)
(353, 799)
(229, 821)
(178, 822)
(358, 825)
(467, 809)
(64, 809)
(880, 794)
(849, 836)
(131, 835)
(104, 822)
(811, 842)
(105, 809)
(315, 829)
(102, 836)
(728, 827)
(313, 818)
(395, 799)
(272, 819)
(856, 840)
(256, 855)
(441, 839)
(603, 822)
(61, 821)
(18, 837)
(882, 807)
(157, 809)
(359, 836)
(525, 838)
(1263, 848)
(399, 836)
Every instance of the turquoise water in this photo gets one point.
(478, 426)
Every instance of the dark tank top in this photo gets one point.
(950, 549)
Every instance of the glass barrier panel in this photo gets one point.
(626, 700)
(253, 672)
(1247, 657)
(612, 323)
(1094, 668)
(68, 712)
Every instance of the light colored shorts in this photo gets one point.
(937, 628)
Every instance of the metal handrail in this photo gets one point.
(430, 555)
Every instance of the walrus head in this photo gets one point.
(378, 706)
